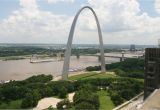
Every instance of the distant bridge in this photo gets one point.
(107, 56)
(122, 57)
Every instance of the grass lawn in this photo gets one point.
(105, 101)
(16, 104)
(90, 75)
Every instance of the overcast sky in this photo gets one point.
(49, 21)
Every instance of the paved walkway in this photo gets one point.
(70, 96)
(51, 101)
(46, 102)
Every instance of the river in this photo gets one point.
(21, 69)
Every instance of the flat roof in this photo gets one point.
(152, 102)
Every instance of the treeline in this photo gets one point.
(131, 67)
(34, 86)
(31, 90)
(92, 51)
(20, 51)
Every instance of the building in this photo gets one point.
(137, 103)
(132, 47)
(152, 70)
(159, 43)
(152, 102)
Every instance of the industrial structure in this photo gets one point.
(69, 44)
(152, 70)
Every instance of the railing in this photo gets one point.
(128, 102)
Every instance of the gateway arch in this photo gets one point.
(66, 64)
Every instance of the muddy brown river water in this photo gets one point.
(21, 69)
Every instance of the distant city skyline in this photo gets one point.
(49, 21)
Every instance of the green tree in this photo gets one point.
(46, 92)
(62, 92)
(117, 99)
(31, 99)
(87, 98)
(27, 101)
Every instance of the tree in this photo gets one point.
(86, 99)
(31, 99)
(116, 98)
(46, 92)
(40, 78)
(62, 92)
(27, 101)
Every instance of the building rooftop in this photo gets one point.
(152, 102)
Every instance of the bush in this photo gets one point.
(116, 98)
(93, 68)
(46, 92)
(40, 78)
(132, 74)
(136, 74)
(86, 99)
(65, 104)
(85, 106)
(57, 85)
(31, 99)
(119, 72)
(62, 92)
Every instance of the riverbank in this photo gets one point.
(8, 58)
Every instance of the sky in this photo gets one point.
(49, 21)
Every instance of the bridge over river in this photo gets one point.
(122, 56)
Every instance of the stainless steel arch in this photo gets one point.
(69, 44)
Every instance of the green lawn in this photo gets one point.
(105, 101)
(11, 105)
(90, 75)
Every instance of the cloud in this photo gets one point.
(157, 6)
(30, 24)
(123, 19)
(116, 15)
(28, 4)
(121, 22)
(56, 1)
